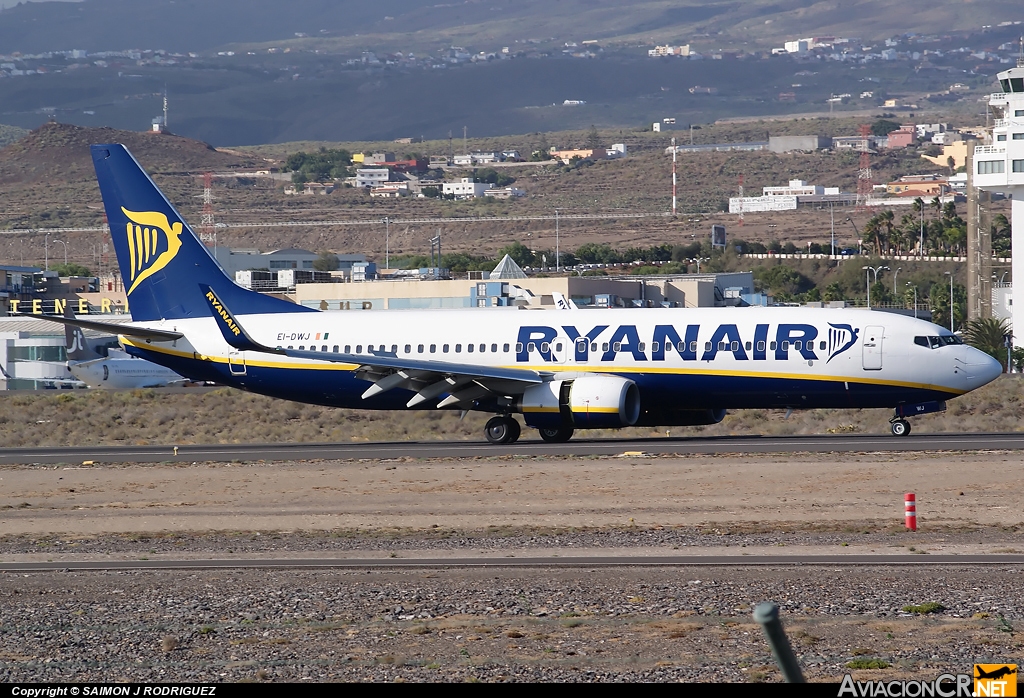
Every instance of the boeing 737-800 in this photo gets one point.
(560, 369)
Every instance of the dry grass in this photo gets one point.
(226, 415)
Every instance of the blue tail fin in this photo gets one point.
(162, 261)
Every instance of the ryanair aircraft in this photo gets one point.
(561, 370)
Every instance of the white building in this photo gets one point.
(465, 188)
(1000, 167)
(798, 46)
(372, 177)
(618, 150)
(796, 187)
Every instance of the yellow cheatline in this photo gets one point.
(603, 410)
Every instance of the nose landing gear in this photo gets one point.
(899, 424)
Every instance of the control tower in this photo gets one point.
(999, 167)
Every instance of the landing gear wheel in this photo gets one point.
(502, 430)
(900, 427)
(556, 435)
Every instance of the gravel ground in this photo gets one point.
(635, 624)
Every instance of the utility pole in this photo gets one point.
(673, 176)
(558, 265)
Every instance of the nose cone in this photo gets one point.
(981, 368)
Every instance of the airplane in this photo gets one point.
(115, 371)
(995, 673)
(562, 370)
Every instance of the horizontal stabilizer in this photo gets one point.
(113, 328)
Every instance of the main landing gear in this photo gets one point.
(556, 435)
(502, 430)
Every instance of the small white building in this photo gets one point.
(798, 46)
(372, 177)
(390, 191)
(505, 193)
(465, 188)
(618, 150)
(796, 187)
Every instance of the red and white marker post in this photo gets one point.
(910, 507)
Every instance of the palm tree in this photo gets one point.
(989, 335)
(887, 218)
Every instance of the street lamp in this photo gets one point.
(387, 242)
(950, 274)
(558, 263)
(915, 298)
(895, 274)
(697, 261)
(867, 280)
(46, 251)
(65, 251)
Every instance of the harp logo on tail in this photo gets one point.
(153, 241)
(840, 338)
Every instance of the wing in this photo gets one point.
(113, 328)
(464, 383)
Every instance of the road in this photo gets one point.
(470, 449)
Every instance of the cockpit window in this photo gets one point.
(936, 342)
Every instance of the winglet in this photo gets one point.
(229, 326)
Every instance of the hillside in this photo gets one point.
(9, 134)
(204, 25)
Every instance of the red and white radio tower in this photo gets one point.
(864, 184)
(206, 225)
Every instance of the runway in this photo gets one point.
(872, 443)
(522, 562)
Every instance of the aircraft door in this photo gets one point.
(871, 351)
(236, 363)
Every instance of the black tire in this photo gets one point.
(556, 435)
(900, 427)
(516, 430)
(501, 430)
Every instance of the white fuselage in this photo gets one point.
(724, 357)
(122, 372)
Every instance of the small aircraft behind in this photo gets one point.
(562, 369)
(115, 371)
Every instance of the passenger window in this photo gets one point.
(433, 348)
(545, 347)
(519, 347)
(359, 348)
(707, 346)
(604, 346)
(734, 346)
(419, 348)
(681, 347)
(593, 347)
(785, 346)
(394, 348)
(921, 341)
(494, 348)
(469, 348)
(798, 345)
(335, 349)
(348, 348)
(822, 345)
(617, 346)
(581, 346)
(773, 346)
(558, 347)
(408, 348)
(323, 348)
(290, 346)
(760, 346)
(749, 346)
(531, 347)
(444, 348)
(655, 346)
(458, 348)
(483, 348)
(505, 348)
(302, 347)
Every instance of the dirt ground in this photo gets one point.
(805, 492)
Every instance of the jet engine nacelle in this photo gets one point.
(588, 402)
